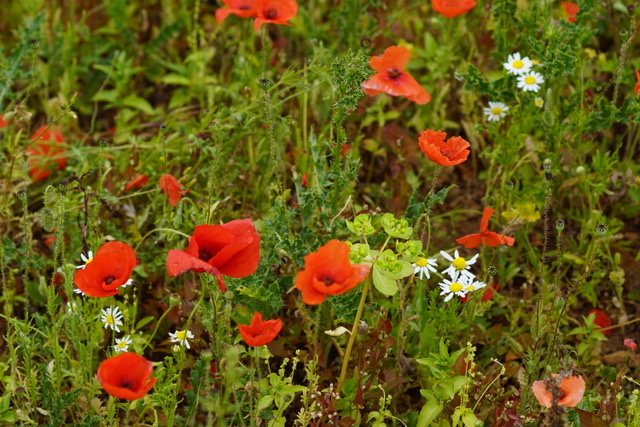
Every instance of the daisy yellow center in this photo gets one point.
(459, 263)
(88, 261)
(496, 111)
(539, 102)
(422, 262)
(455, 287)
(518, 64)
(471, 288)
(109, 319)
(529, 80)
(122, 344)
(181, 335)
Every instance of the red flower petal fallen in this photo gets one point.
(171, 187)
(391, 77)
(452, 152)
(328, 271)
(274, 12)
(232, 249)
(489, 238)
(240, 8)
(602, 320)
(571, 388)
(110, 268)
(571, 9)
(137, 182)
(452, 8)
(46, 153)
(127, 376)
(260, 332)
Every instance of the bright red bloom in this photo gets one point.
(602, 320)
(260, 332)
(240, 8)
(109, 269)
(3, 124)
(629, 343)
(171, 187)
(45, 153)
(452, 152)
(138, 182)
(571, 9)
(452, 8)
(636, 88)
(127, 376)
(569, 388)
(274, 12)
(489, 238)
(232, 249)
(328, 271)
(391, 79)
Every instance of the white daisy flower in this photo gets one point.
(517, 65)
(112, 318)
(72, 308)
(530, 81)
(474, 285)
(422, 267)
(459, 266)
(127, 283)
(86, 259)
(538, 101)
(78, 291)
(181, 337)
(451, 288)
(495, 111)
(122, 344)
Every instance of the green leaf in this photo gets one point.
(144, 321)
(106, 95)
(265, 402)
(138, 103)
(176, 79)
(383, 283)
(428, 413)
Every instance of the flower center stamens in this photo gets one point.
(530, 80)
(455, 287)
(181, 335)
(109, 319)
(496, 111)
(109, 279)
(422, 262)
(271, 14)
(518, 64)
(395, 73)
(459, 263)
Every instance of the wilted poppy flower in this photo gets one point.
(274, 12)
(452, 8)
(260, 332)
(138, 182)
(636, 88)
(602, 321)
(240, 8)
(127, 376)
(171, 187)
(568, 389)
(489, 238)
(452, 152)
(3, 123)
(571, 9)
(391, 77)
(45, 153)
(328, 272)
(629, 343)
(232, 249)
(109, 269)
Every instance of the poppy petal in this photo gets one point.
(394, 57)
(171, 187)
(573, 388)
(540, 391)
(486, 215)
(470, 240)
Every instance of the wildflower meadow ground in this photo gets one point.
(276, 213)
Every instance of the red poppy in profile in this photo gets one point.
(452, 152)
(3, 124)
(274, 12)
(45, 153)
(171, 187)
(240, 8)
(452, 8)
(570, 390)
(138, 182)
(602, 321)
(571, 9)
(127, 376)
(109, 269)
(489, 238)
(260, 332)
(328, 271)
(232, 249)
(391, 77)
(636, 88)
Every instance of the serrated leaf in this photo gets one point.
(383, 283)
(141, 104)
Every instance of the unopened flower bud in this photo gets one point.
(560, 224)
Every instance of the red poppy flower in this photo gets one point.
(109, 269)
(138, 182)
(570, 390)
(127, 376)
(602, 321)
(571, 9)
(171, 187)
(260, 332)
(3, 124)
(629, 343)
(489, 238)
(274, 12)
(636, 88)
(452, 152)
(452, 8)
(391, 79)
(240, 8)
(45, 153)
(328, 272)
(232, 249)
